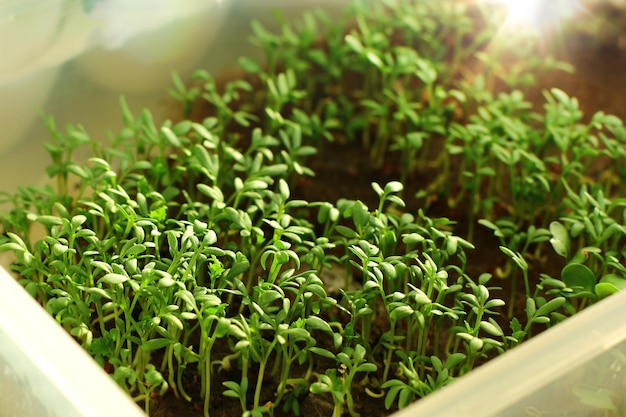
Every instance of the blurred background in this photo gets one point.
(74, 58)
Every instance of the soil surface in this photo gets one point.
(344, 171)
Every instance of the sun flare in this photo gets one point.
(524, 11)
(537, 14)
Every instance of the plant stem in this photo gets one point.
(261, 375)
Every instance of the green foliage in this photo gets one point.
(175, 243)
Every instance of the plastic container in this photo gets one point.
(57, 59)
(43, 372)
(126, 59)
(22, 84)
(576, 369)
(74, 66)
(84, 54)
(74, 58)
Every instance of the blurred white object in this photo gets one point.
(36, 38)
(19, 102)
(123, 46)
(141, 42)
(26, 29)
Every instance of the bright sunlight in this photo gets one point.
(538, 13)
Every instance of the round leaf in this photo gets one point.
(578, 277)
(604, 289)
(616, 280)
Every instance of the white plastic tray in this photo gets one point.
(545, 376)
(43, 371)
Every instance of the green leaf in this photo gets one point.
(560, 95)
(496, 302)
(268, 297)
(377, 189)
(49, 221)
(283, 189)
(59, 249)
(166, 282)
(96, 293)
(114, 279)
(515, 257)
(476, 344)
(531, 307)
(322, 352)
(616, 280)
(578, 277)
(234, 390)
(374, 59)
(156, 344)
(317, 323)
(454, 359)
(346, 232)
(79, 171)
(170, 136)
(560, 239)
(366, 367)
(393, 187)
(354, 43)
(604, 289)
(491, 328)
(173, 320)
(154, 378)
(12, 246)
(550, 306)
(319, 388)
(238, 268)
(395, 200)
(187, 297)
(211, 191)
(596, 396)
(401, 312)
(223, 327)
(249, 65)
(395, 387)
(412, 238)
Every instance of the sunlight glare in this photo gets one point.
(537, 14)
(523, 11)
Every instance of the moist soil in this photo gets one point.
(344, 171)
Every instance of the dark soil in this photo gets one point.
(344, 171)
